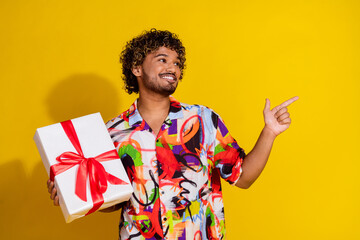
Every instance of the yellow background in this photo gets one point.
(59, 60)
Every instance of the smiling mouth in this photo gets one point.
(168, 76)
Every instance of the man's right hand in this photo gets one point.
(55, 198)
(53, 193)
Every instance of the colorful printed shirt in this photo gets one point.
(176, 174)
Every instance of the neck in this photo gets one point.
(150, 105)
(154, 110)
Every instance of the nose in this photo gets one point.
(171, 68)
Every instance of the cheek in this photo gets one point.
(156, 69)
(153, 68)
(178, 73)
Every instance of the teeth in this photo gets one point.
(168, 77)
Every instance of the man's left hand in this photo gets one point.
(278, 119)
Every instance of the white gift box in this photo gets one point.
(94, 139)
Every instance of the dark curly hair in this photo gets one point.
(139, 47)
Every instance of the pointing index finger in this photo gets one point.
(288, 102)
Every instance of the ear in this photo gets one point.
(137, 71)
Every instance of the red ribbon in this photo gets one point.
(98, 177)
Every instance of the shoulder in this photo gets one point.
(119, 121)
(200, 109)
(207, 115)
(196, 108)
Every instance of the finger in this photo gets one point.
(50, 187)
(285, 104)
(285, 121)
(288, 102)
(280, 112)
(283, 116)
(267, 105)
(56, 201)
(53, 194)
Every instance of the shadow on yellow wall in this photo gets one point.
(30, 209)
(82, 94)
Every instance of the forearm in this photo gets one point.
(257, 158)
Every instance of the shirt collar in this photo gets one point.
(175, 111)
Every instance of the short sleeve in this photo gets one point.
(228, 156)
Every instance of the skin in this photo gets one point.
(158, 77)
(277, 120)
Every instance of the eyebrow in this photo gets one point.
(164, 55)
(161, 55)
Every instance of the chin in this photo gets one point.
(167, 93)
(162, 90)
(167, 90)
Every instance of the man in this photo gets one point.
(175, 153)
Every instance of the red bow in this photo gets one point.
(98, 177)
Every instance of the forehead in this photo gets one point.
(164, 51)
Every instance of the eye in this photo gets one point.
(177, 64)
(162, 60)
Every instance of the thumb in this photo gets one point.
(267, 105)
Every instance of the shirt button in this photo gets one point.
(162, 192)
(165, 218)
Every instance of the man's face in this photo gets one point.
(160, 72)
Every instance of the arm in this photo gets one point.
(277, 121)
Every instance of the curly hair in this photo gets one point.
(139, 47)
